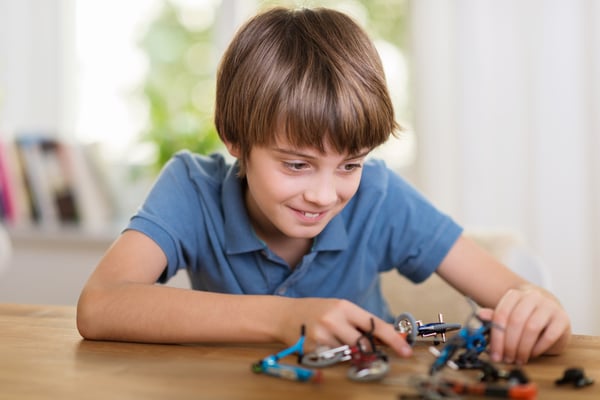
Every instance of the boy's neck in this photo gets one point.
(291, 250)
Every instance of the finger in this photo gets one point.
(346, 332)
(386, 333)
(486, 314)
(555, 336)
(349, 335)
(515, 328)
(533, 330)
(332, 326)
(318, 336)
(500, 322)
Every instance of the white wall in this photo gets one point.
(52, 269)
(507, 118)
(32, 72)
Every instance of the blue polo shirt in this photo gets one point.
(195, 212)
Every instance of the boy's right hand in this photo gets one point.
(336, 322)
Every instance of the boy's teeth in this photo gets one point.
(311, 215)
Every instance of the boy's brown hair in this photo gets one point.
(309, 74)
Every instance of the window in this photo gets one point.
(115, 39)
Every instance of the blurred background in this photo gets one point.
(500, 100)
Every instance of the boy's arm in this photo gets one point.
(533, 320)
(121, 301)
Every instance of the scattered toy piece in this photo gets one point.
(575, 376)
(368, 363)
(440, 388)
(325, 356)
(467, 345)
(410, 328)
(270, 365)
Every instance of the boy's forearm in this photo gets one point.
(161, 314)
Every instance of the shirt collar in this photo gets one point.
(333, 237)
(239, 234)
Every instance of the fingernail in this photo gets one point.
(496, 357)
(406, 351)
(508, 360)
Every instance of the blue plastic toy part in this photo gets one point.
(285, 371)
(270, 365)
(471, 341)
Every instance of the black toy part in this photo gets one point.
(575, 376)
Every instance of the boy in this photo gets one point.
(298, 229)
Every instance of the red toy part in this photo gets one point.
(527, 391)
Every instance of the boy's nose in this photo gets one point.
(322, 191)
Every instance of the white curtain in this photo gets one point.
(507, 100)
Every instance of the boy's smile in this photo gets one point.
(293, 193)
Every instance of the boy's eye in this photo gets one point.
(351, 167)
(297, 166)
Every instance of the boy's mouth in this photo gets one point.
(311, 215)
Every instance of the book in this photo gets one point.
(41, 203)
(59, 180)
(6, 198)
(15, 197)
(51, 183)
(93, 203)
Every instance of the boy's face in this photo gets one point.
(294, 193)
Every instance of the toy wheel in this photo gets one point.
(316, 360)
(376, 371)
(517, 376)
(406, 324)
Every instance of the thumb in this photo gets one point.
(394, 340)
(486, 314)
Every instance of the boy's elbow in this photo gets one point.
(86, 317)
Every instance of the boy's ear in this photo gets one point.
(233, 149)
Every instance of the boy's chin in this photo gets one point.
(304, 234)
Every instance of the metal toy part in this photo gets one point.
(368, 363)
(325, 356)
(410, 328)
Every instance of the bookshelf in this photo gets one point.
(58, 204)
(47, 184)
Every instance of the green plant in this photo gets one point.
(179, 86)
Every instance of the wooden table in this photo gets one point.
(42, 356)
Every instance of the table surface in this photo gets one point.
(43, 356)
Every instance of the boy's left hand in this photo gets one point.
(528, 322)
